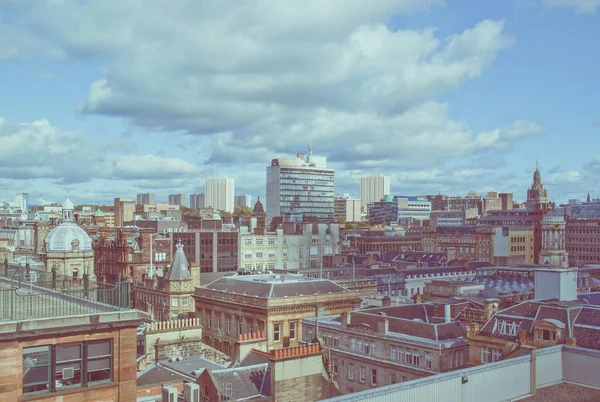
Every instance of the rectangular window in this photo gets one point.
(175, 302)
(209, 319)
(353, 345)
(67, 373)
(218, 322)
(99, 362)
(350, 371)
(373, 377)
(185, 301)
(408, 356)
(276, 332)
(392, 378)
(485, 356)
(271, 241)
(363, 373)
(292, 329)
(69, 370)
(259, 242)
(36, 369)
(240, 326)
(248, 242)
(260, 254)
(428, 360)
(416, 358)
(229, 325)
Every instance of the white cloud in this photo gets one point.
(578, 6)
(41, 150)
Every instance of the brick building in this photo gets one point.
(57, 346)
(460, 243)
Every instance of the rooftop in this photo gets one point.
(274, 286)
(25, 307)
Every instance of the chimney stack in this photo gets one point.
(447, 314)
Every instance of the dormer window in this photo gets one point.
(75, 246)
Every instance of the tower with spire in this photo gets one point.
(537, 195)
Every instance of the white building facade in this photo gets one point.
(220, 193)
(348, 209)
(372, 189)
(300, 187)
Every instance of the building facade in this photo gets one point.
(220, 193)
(243, 200)
(462, 243)
(69, 248)
(382, 346)
(178, 199)
(197, 201)
(300, 187)
(168, 296)
(372, 189)
(215, 251)
(146, 198)
(271, 305)
(347, 209)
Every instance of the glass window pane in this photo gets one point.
(36, 369)
(67, 374)
(99, 364)
(101, 348)
(68, 352)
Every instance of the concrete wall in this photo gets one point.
(299, 380)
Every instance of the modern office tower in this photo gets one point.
(197, 201)
(21, 201)
(124, 210)
(243, 200)
(146, 199)
(220, 193)
(299, 187)
(178, 199)
(347, 208)
(372, 189)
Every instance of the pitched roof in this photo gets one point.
(274, 286)
(179, 267)
(243, 382)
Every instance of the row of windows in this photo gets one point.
(362, 374)
(271, 241)
(54, 368)
(259, 266)
(408, 356)
(517, 239)
(220, 319)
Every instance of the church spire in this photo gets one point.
(588, 198)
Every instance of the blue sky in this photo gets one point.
(110, 98)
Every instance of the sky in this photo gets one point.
(110, 98)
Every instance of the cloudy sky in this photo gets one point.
(112, 98)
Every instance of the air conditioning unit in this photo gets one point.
(169, 394)
(68, 373)
(191, 392)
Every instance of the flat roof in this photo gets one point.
(565, 392)
(30, 307)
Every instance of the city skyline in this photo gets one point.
(442, 97)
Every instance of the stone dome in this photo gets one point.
(60, 238)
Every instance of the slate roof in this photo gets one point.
(179, 269)
(189, 365)
(580, 321)
(246, 382)
(274, 286)
(157, 374)
(415, 320)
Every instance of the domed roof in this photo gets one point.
(258, 207)
(60, 238)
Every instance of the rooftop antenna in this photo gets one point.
(310, 149)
